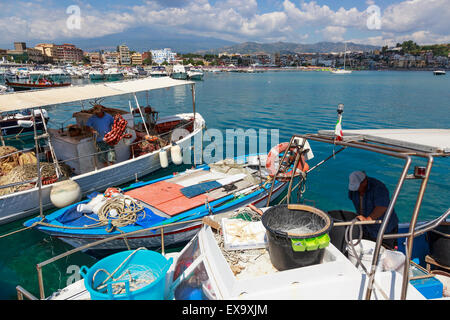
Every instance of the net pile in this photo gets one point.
(26, 172)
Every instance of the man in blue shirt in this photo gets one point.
(371, 199)
(100, 123)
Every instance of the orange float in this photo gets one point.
(274, 156)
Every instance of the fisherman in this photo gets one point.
(371, 199)
(100, 123)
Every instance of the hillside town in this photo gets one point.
(400, 57)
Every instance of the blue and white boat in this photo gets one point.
(195, 193)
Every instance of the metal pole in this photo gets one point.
(193, 99)
(412, 225)
(52, 151)
(140, 111)
(383, 226)
(38, 165)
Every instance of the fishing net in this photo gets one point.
(25, 172)
(229, 166)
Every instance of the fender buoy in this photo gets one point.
(274, 157)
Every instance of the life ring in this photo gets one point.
(274, 156)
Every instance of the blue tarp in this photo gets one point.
(74, 218)
(200, 188)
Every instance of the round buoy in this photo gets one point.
(65, 193)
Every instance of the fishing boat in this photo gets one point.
(179, 72)
(40, 84)
(205, 190)
(223, 261)
(439, 72)
(72, 149)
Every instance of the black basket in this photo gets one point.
(288, 223)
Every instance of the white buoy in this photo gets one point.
(175, 153)
(163, 159)
(65, 193)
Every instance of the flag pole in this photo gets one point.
(338, 134)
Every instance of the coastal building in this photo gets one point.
(147, 57)
(124, 55)
(24, 54)
(164, 55)
(136, 59)
(48, 50)
(111, 58)
(95, 58)
(68, 53)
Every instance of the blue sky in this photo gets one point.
(301, 21)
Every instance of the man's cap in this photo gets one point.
(355, 179)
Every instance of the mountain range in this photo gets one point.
(145, 38)
(289, 47)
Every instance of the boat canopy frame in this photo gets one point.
(397, 143)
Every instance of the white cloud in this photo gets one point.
(424, 21)
(334, 33)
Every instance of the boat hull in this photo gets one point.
(22, 204)
(173, 235)
(179, 75)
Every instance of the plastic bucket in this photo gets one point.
(364, 251)
(151, 265)
(337, 234)
(297, 235)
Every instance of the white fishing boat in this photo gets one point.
(240, 263)
(439, 72)
(179, 72)
(76, 149)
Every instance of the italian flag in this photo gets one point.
(338, 129)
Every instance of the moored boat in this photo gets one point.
(75, 148)
(187, 196)
(179, 72)
(41, 84)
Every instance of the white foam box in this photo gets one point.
(240, 234)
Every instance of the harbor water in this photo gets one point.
(290, 102)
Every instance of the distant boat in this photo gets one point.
(97, 75)
(158, 71)
(179, 72)
(439, 72)
(42, 84)
(342, 71)
(195, 74)
(113, 74)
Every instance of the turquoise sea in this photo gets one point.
(291, 102)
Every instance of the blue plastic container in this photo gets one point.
(143, 259)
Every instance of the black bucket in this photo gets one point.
(337, 234)
(439, 243)
(297, 235)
